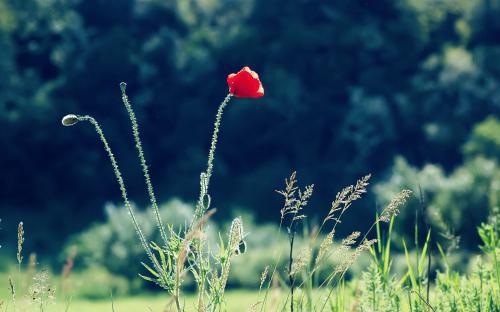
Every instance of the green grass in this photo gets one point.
(237, 300)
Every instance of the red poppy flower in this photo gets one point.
(245, 84)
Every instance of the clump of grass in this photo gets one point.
(316, 293)
(378, 294)
(477, 291)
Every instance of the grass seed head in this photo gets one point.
(301, 261)
(392, 208)
(20, 241)
(263, 276)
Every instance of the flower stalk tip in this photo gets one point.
(123, 86)
(70, 120)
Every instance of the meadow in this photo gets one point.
(250, 155)
(308, 267)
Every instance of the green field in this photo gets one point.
(236, 300)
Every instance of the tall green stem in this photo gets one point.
(201, 206)
(290, 264)
(203, 203)
(119, 179)
(144, 165)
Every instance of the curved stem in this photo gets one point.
(119, 179)
(215, 136)
(200, 207)
(144, 165)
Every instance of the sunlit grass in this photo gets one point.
(237, 300)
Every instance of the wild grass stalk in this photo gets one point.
(290, 263)
(288, 193)
(294, 201)
(12, 291)
(423, 206)
(19, 256)
(20, 241)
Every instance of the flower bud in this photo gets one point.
(69, 120)
(123, 86)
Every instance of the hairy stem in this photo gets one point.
(201, 208)
(203, 203)
(215, 136)
(119, 179)
(144, 165)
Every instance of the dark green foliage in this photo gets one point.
(485, 139)
(457, 202)
(349, 85)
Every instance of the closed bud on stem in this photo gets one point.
(70, 120)
(123, 86)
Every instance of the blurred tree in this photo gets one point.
(349, 85)
(457, 202)
(485, 139)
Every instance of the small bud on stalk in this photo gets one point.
(70, 120)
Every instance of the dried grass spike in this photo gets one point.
(263, 276)
(20, 241)
(392, 208)
(301, 261)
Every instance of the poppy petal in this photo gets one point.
(245, 84)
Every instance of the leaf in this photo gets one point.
(147, 278)
(387, 251)
(443, 254)
(150, 270)
(410, 266)
(403, 279)
(421, 262)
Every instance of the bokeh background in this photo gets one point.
(407, 90)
